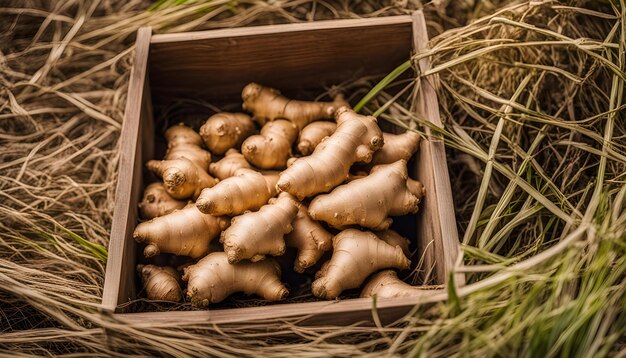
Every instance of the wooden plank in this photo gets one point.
(217, 64)
(118, 281)
(438, 231)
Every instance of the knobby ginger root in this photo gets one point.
(157, 202)
(186, 232)
(255, 234)
(386, 284)
(394, 239)
(184, 142)
(246, 190)
(416, 188)
(397, 146)
(213, 279)
(160, 283)
(355, 139)
(313, 134)
(272, 148)
(267, 104)
(227, 166)
(368, 201)
(223, 131)
(182, 178)
(356, 255)
(310, 238)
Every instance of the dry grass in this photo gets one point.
(532, 98)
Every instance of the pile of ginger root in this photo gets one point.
(313, 176)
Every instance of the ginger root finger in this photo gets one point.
(184, 142)
(223, 131)
(213, 279)
(227, 166)
(255, 234)
(356, 255)
(355, 139)
(313, 134)
(309, 237)
(271, 148)
(267, 104)
(182, 178)
(368, 201)
(186, 232)
(397, 146)
(157, 202)
(386, 284)
(394, 239)
(246, 190)
(160, 283)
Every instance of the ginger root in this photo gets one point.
(394, 239)
(356, 255)
(267, 104)
(386, 284)
(397, 146)
(223, 131)
(367, 201)
(355, 139)
(246, 190)
(313, 134)
(186, 232)
(213, 279)
(157, 202)
(271, 148)
(255, 234)
(182, 178)
(227, 166)
(309, 237)
(160, 283)
(184, 142)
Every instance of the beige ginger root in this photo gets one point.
(386, 284)
(184, 142)
(246, 190)
(157, 202)
(368, 201)
(223, 131)
(394, 239)
(267, 104)
(309, 237)
(256, 234)
(355, 139)
(181, 177)
(227, 166)
(213, 279)
(356, 255)
(397, 146)
(271, 148)
(186, 232)
(160, 283)
(313, 134)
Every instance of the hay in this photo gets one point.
(532, 98)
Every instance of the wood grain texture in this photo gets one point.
(119, 284)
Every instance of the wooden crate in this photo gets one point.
(215, 65)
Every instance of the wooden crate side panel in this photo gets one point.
(119, 277)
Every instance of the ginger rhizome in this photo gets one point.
(246, 190)
(356, 255)
(157, 202)
(271, 148)
(160, 283)
(186, 232)
(394, 239)
(309, 237)
(368, 201)
(397, 146)
(386, 284)
(313, 134)
(267, 104)
(223, 131)
(213, 279)
(181, 177)
(184, 142)
(256, 234)
(227, 166)
(354, 140)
